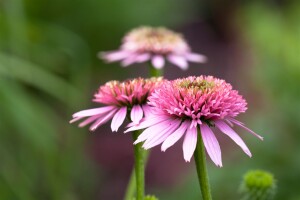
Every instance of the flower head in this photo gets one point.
(155, 44)
(119, 98)
(182, 106)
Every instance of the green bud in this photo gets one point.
(258, 185)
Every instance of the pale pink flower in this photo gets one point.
(120, 98)
(182, 106)
(155, 45)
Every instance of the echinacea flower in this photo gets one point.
(182, 106)
(119, 98)
(153, 44)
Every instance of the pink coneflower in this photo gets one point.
(183, 105)
(153, 44)
(119, 98)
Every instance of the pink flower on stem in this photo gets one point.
(156, 45)
(119, 98)
(182, 106)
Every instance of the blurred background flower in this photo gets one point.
(48, 65)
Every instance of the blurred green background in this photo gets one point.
(49, 70)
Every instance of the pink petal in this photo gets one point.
(179, 61)
(129, 60)
(233, 135)
(158, 61)
(103, 120)
(211, 144)
(194, 57)
(147, 110)
(75, 119)
(94, 111)
(153, 130)
(161, 136)
(174, 137)
(90, 120)
(118, 119)
(147, 122)
(143, 57)
(244, 127)
(136, 114)
(113, 55)
(189, 143)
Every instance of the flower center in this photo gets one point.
(155, 40)
(197, 85)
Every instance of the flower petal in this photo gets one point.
(102, 120)
(118, 119)
(179, 61)
(153, 130)
(146, 122)
(91, 119)
(158, 61)
(136, 114)
(147, 110)
(143, 57)
(244, 127)
(189, 143)
(94, 111)
(174, 137)
(233, 135)
(113, 55)
(129, 60)
(161, 136)
(211, 144)
(194, 57)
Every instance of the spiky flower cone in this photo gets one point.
(258, 185)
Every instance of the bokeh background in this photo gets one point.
(49, 70)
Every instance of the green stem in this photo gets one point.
(139, 166)
(130, 187)
(200, 162)
(132, 183)
(155, 72)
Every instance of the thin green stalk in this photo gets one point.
(155, 72)
(200, 162)
(129, 194)
(139, 166)
(130, 187)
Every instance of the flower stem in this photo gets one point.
(130, 187)
(200, 162)
(155, 72)
(139, 166)
(132, 181)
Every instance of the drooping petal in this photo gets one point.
(129, 60)
(113, 55)
(118, 119)
(211, 144)
(233, 135)
(161, 136)
(147, 122)
(91, 119)
(94, 111)
(194, 57)
(143, 57)
(179, 61)
(103, 120)
(244, 127)
(158, 61)
(189, 143)
(147, 110)
(136, 114)
(153, 130)
(174, 137)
